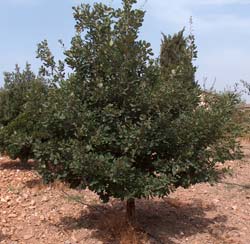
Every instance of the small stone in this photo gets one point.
(32, 203)
(19, 227)
(215, 201)
(28, 236)
(42, 218)
(3, 200)
(18, 200)
(12, 215)
(5, 231)
(44, 199)
(25, 196)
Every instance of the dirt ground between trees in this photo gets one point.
(32, 213)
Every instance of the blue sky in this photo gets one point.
(221, 27)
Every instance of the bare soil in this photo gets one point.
(32, 213)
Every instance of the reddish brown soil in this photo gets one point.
(32, 213)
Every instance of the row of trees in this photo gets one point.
(123, 123)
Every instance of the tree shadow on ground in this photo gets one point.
(161, 221)
(34, 183)
(10, 164)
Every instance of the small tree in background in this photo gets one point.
(124, 124)
(20, 109)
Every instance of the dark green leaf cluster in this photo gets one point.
(125, 124)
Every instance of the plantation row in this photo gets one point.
(123, 123)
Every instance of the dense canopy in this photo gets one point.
(124, 123)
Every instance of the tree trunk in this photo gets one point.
(130, 210)
(24, 161)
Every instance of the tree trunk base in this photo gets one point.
(24, 163)
(130, 210)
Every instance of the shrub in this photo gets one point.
(20, 110)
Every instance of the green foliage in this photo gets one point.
(242, 117)
(21, 100)
(125, 124)
(13, 94)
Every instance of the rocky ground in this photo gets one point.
(32, 213)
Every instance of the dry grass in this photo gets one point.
(245, 139)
